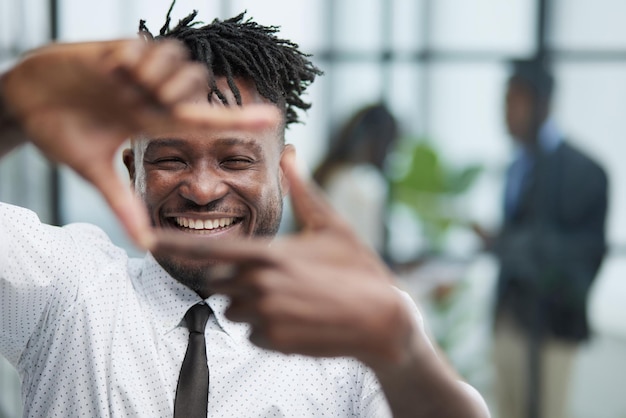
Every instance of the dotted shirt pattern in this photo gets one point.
(93, 333)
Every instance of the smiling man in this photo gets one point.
(219, 184)
(310, 325)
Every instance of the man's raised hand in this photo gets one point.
(79, 102)
(318, 292)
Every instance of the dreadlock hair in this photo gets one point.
(236, 48)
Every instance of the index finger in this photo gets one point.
(178, 101)
(230, 251)
(205, 115)
(126, 206)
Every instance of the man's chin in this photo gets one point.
(193, 273)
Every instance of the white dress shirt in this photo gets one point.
(94, 333)
(549, 138)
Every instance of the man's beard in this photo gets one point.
(197, 277)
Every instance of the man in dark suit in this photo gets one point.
(550, 248)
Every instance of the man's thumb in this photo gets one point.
(310, 206)
(125, 205)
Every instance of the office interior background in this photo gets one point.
(441, 68)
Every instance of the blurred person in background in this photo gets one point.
(550, 247)
(353, 172)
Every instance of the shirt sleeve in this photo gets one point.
(37, 262)
(373, 401)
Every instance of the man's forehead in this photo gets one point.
(219, 139)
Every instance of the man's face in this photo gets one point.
(519, 111)
(213, 184)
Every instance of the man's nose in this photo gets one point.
(203, 186)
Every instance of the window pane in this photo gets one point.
(354, 85)
(81, 20)
(407, 28)
(23, 25)
(584, 24)
(466, 111)
(358, 25)
(299, 21)
(478, 25)
(467, 126)
(26, 170)
(405, 96)
(310, 137)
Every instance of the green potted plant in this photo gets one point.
(421, 180)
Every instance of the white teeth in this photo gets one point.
(206, 224)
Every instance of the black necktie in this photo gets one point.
(192, 392)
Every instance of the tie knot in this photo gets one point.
(197, 317)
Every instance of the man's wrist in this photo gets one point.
(11, 133)
(7, 119)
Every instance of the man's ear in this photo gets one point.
(287, 155)
(129, 161)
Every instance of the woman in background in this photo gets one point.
(352, 174)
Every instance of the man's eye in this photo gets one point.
(237, 163)
(168, 163)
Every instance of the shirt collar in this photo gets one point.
(236, 330)
(549, 138)
(169, 300)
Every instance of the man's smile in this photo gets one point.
(199, 224)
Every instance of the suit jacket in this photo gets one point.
(550, 250)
